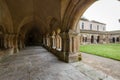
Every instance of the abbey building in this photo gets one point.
(94, 32)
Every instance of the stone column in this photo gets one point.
(95, 39)
(9, 41)
(48, 41)
(54, 42)
(5, 41)
(20, 45)
(101, 39)
(51, 41)
(58, 42)
(89, 39)
(70, 47)
(44, 40)
(15, 43)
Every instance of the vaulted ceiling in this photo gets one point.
(47, 14)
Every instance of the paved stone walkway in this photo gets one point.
(109, 66)
(36, 63)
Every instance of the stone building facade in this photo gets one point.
(94, 32)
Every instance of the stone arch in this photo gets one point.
(118, 39)
(6, 18)
(92, 39)
(3, 29)
(53, 39)
(85, 39)
(28, 35)
(98, 39)
(54, 24)
(26, 25)
(74, 11)
(113, 39)
(34, 19)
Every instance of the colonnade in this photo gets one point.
(99, 39)
(93, 39)
(64, 45)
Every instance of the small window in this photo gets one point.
(103, 28)
(90, 26)
(97, 27)
(82, 26)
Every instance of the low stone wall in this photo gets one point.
(63, 56)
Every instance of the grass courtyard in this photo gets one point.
(105, 50)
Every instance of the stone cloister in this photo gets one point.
(49, 23)
(96, 37)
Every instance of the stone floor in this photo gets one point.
(109, 66)
(36, 63)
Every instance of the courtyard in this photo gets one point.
(105, 50)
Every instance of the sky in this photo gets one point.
(105, 11)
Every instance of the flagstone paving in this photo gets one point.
(36, 63)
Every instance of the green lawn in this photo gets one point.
(106, 50)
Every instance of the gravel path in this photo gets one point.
(109, 66)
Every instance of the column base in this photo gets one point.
(70, 57)
(16, 50)
(73, 57)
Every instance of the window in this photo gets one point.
(97, 27)
(82, 26)
(90, 26)
(103, 28)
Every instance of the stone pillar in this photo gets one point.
(101, 39)
(54, 42)
(89, 39)
(51, 41)
(70, 47)
(7, 41)
(95, 39)
(48, 41)
(44, 40)
(58, 42)
(15, 43)
(20, 44)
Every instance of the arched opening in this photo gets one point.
(92, 39)
(58, 43)
(98, 39)
(113, 39)
(32, 37)
(118, 40)
(85, 39)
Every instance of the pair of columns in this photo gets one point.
(69, 46)
(53, 41)
(10, 42)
